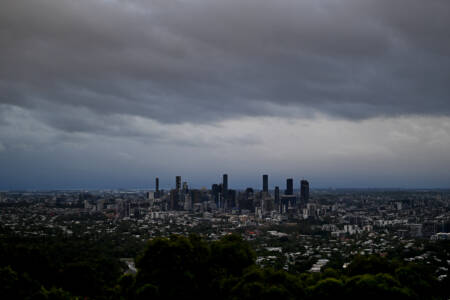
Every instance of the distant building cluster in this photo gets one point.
(325, 224)
(222, 198)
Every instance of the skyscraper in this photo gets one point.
(289, 187)
(225, 182)
(156, 187)
(277, 197)
(185, 188)
(178, 183)
(304, 191)
(265, 183)
(215, 191)
(224, 191)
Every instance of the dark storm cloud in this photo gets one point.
(80, 63)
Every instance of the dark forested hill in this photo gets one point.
(191, 268)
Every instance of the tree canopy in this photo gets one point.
(190, 267)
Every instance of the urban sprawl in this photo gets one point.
(295, 229)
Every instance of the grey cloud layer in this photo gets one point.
(203, 60)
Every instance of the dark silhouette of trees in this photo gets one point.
(195, 267)
(192, 268)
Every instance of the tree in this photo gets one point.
(370, 265)
(231, 256)
(419, 280)
(9, 283)
(173, 265)
(195, 267)
(328, 288)
(380, 286)
(259, 283)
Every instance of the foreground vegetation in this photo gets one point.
(192, 268)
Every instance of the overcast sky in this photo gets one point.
(111, 93)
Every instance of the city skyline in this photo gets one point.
(177, 182)
(107, 94)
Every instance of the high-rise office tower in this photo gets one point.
(277, 196)
(250, 193)
(225, 188)
(232, 203)
(215, 191)
(304, 191)
(156, 187)
(174, 198)
(225, 182)
(265, 183)
(178, 183)
(220, 197)
(289, 187)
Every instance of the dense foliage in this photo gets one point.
(192, 268)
